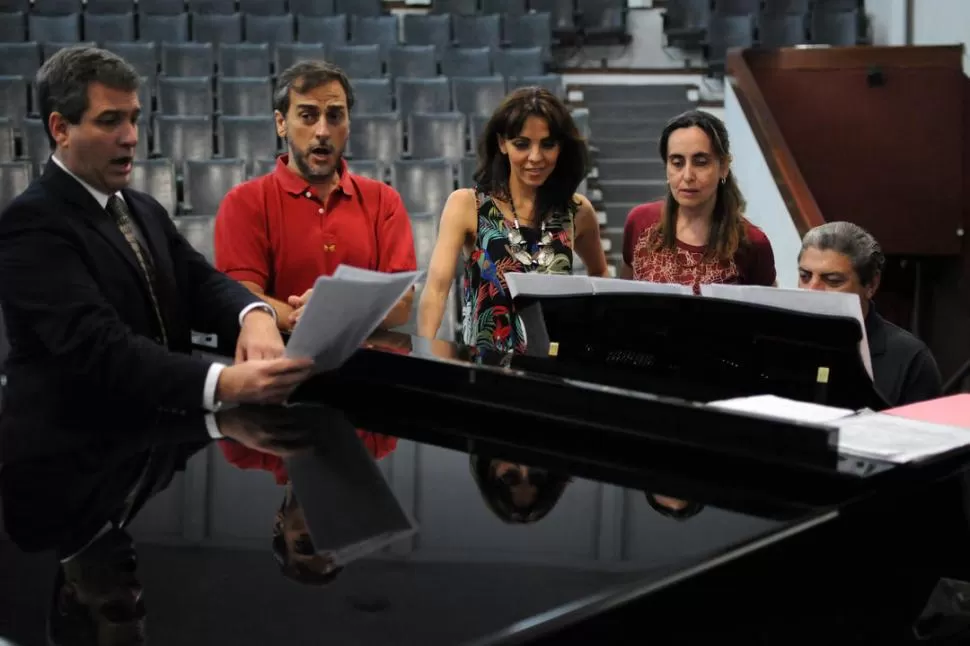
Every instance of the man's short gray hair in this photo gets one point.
(852, 241)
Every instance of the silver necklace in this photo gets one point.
(543, 254)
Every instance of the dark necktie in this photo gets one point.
(119, 211)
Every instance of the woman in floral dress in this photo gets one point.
(522, 216)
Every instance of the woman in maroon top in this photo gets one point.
(698, 234)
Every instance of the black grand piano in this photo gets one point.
(584, 495)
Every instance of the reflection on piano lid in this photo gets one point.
(502, 540)
(61, 495)
(495, 558)
(104, 471)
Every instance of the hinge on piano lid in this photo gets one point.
(553, 348)
(822, 376)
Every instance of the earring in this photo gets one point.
(724, 180)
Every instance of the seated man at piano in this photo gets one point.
(844, 257)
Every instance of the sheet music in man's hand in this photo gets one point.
(343, 311)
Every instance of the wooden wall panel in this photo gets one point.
(889, 158)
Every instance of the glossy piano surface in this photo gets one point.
(504, 536)
(535, 508)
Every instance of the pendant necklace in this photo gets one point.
(542, 256)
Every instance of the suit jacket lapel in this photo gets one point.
(70, 190)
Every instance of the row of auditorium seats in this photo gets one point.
(259, 59)
(202, 97)
(168, 7)
(196, 188)
(527, 30)
(589, 21)
(411, 139)
(382, 137)
(570, 18)
(574, 11)
(714, 26)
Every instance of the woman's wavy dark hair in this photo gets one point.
(492, 175)
(728, 226)
(498, 496)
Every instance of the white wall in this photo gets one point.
(888, 21)
(942, 22)
(766, 208)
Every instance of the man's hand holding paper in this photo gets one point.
(342, 310)
(298, 303)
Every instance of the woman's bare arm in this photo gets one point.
(587, 244)
(458, 222)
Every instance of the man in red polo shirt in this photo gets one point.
(278, 233)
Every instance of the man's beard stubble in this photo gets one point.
(301, 158)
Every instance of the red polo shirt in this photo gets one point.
(243, 457)
(275, 231)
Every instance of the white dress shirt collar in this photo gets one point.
(101, 197)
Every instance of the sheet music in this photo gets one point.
(343, 311)
(623, 286)
(521, 284)
(798, 300)
(880, 436)
(783, 408)
(547, 285)
(897, 439)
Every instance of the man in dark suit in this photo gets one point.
(100, 292)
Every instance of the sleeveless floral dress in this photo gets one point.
(488, 322)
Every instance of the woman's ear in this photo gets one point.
(502, 145)
(726, 167)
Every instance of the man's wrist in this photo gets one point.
(257, 307)
(212, 426)
(210, 393)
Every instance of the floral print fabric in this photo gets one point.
(488, 321)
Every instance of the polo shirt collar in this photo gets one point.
(295, 184)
